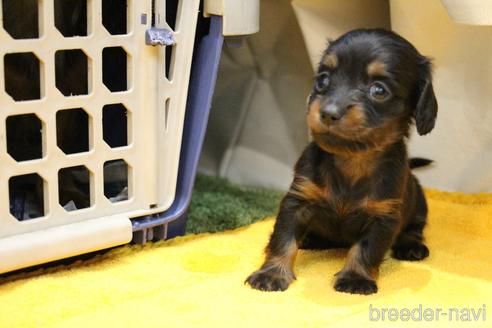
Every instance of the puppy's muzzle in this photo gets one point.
(332, 112)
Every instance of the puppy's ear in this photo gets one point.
(425, 112)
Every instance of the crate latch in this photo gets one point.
(159, 37)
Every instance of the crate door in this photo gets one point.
(91, 117)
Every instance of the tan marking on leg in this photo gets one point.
(355, 264)
(381, 207)
(306, 189)
(377, 68)
(283, 263)
(330, 60)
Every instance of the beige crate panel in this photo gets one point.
(240, 17)
(152, 154)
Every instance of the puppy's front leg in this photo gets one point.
(362, 266)
(276, 273)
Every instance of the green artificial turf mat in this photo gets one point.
(218, 204)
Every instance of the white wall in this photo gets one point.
(257, 128)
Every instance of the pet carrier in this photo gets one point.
(92, 99)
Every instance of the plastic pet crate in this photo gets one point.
(93, 97)
(93, 122)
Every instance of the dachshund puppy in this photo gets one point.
(352, 185)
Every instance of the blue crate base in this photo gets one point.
(172, 223)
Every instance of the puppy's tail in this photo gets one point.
(415, 162)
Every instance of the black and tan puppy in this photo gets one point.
(352, 184)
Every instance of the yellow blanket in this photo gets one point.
(197, 281)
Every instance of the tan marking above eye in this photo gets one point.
(377, 68)
(330, 60)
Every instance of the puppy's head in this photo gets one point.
(370, 85)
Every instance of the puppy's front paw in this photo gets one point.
(271, 279)
(354, 283)
(414, 251)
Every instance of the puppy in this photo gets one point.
(352, 185)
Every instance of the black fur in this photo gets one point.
(352, 184)
(417, 162)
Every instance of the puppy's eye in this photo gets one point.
(322, 82)
(379, 92)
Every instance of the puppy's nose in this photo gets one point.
(331, 113)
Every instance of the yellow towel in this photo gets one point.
(197, 281)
